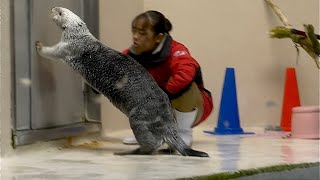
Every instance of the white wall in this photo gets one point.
(230, 33)
(115, 31)
(233, 33)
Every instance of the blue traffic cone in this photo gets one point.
(228, 120)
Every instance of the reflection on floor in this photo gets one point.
(91, 158)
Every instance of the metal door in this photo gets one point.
(52, 101)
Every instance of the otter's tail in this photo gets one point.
(175, 141)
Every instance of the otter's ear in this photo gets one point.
(64, 27)
(80, 23)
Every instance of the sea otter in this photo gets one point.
(122, 80)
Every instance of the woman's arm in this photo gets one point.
(183, 69)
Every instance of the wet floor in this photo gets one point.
(91, 158)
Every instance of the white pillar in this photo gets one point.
(6, 100)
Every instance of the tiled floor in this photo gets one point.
(91, 158)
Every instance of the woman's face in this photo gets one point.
(143, 36)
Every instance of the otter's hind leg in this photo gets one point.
(148, 145)
(168, 150)
(137, 151)
(131, 152)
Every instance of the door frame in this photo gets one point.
(22, 132)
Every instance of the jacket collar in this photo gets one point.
(158, 56)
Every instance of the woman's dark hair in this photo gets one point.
(157, 20)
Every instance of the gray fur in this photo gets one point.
(122, 80)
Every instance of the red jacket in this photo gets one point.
(175, 61)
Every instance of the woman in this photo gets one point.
(174, 69)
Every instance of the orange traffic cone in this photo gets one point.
(290, 98)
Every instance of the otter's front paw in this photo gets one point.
(38, 45)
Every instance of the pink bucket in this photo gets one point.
(305, 122)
